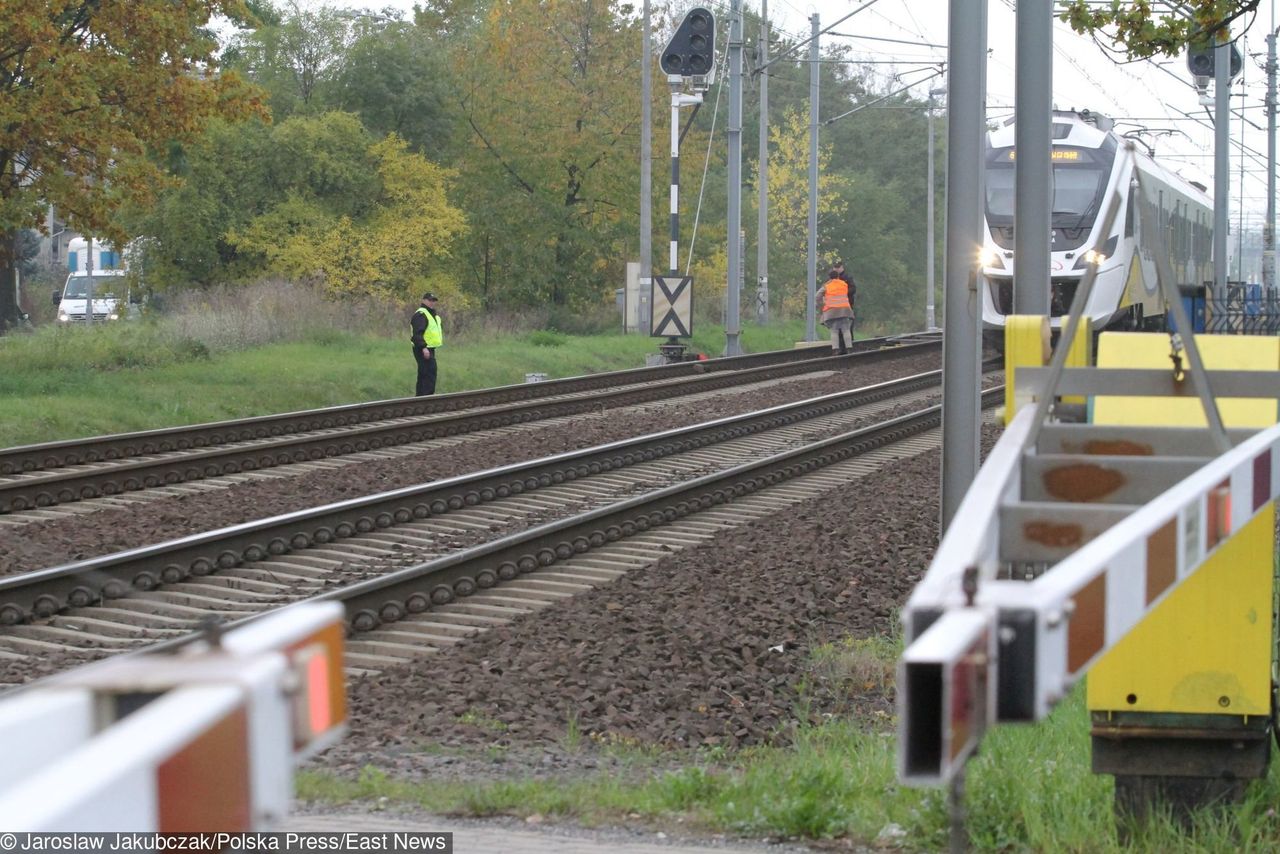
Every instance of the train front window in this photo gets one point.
(1000, 193)
(1076, 192)
(1079, 180)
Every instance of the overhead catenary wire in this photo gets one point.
(1089, 78)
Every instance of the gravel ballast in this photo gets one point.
(727, 644)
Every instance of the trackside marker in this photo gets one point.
(1162, 560)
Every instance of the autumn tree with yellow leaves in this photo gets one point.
(391, 244)
(789, 196)
(90, 90)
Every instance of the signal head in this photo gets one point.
(691, 51)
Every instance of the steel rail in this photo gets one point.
(52, 488)
(49, 455)
(43, 593)
(379, 601)
(414, 590)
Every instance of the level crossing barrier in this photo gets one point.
(201, 740)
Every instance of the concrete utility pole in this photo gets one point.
(733, 312)
(646, 170)
(1033, 143)
(930, 319)
(762, 230)
(961, 341)
(1221, 176)
(1269, 227)
(88, 283)
(810, 312)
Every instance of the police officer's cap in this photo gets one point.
(428, 297)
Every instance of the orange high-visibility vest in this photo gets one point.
(836, 295)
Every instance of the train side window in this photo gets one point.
(1176, 223)
(1131, 212)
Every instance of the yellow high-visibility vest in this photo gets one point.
(433, 335)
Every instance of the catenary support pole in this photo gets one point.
(1269, 227)
(1221, 175)
(961, 343)
(646, 169)
(811, 286)
(1033, 142)
(88, 283)
(733, 312)
(762, 225)
(930, 316)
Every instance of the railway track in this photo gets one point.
(418, 569)
(52, 481)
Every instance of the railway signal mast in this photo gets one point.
(689, 63)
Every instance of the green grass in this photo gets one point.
(70, 383)
(1030, 789)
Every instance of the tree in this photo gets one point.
(789, 205)
(548, 98)
(225, 180)
(372, 221)
(399, 250)
(394, 78)
(89, 90)
(882, 151)
(294, 56)
(314, 170)
(1141, 31)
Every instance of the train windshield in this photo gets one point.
(1079, 179)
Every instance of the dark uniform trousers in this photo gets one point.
(426, 371)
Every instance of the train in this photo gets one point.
(1090, 162)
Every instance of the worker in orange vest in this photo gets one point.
(837, 311)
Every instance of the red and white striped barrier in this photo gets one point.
(201, 741)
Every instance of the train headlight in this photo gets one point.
(988, 257)
(1097, 257)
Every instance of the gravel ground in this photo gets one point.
(46, 544)
(711, 647)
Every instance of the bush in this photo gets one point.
(547, 338)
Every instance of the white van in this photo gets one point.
(110, 296)
(109, 283)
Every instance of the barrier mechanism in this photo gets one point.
(1077, 536)
(1106, 536)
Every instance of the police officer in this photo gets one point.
(427, 335)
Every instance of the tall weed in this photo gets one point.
(275, 311)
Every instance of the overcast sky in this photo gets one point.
(1156, 95)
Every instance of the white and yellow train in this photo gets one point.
(1090, 163)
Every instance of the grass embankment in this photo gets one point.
(1030, 789)
(63, 383)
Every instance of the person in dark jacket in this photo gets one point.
(838, 268)
(428, 335)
